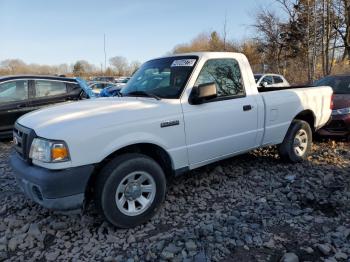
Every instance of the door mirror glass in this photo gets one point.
(204, 92)
(264, 84)
(267, 81)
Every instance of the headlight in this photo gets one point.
(343, 111)
(49, 151)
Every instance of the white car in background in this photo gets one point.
(121, 81)
(270, 80)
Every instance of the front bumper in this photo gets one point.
(53, 189)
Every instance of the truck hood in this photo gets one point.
(53, 122)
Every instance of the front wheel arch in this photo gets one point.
(157, 153)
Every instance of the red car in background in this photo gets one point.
(340, 123)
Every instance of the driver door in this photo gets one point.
(225, 125)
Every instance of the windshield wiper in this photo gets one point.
(143, 93)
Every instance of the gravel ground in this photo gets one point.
(247, 208)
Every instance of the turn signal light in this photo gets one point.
(59, 152)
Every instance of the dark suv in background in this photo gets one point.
(22, 94)
(340, 123)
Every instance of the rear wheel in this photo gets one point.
(130, 189)
(296, 145)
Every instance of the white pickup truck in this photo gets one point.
(176, 113)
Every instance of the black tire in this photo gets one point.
(287, 149)
(113, 174)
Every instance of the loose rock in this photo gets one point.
(251, 204)
(289, 257)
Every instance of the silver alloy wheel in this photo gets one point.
(135, 193)
(300, 142)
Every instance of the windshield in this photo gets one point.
(339, 84)
(164, 77)
(257, 77)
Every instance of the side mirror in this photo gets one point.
(203, 92)
(264, 84)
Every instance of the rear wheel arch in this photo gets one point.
(307, 116)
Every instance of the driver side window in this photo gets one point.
(226, 74)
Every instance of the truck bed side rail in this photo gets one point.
(268, 89)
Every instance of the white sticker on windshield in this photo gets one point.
(183, 62)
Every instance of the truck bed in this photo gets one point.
(286, 103)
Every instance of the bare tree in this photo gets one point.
(14, 66)
(212, 41)
(269, 31)
(120, 64)
(78, 69)
(198, 44)
(342, 25)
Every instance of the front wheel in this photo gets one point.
(130, 189)
(296, 145)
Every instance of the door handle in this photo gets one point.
(247, 107)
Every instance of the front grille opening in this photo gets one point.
(37, 193)
(19, 137)
(23, 138)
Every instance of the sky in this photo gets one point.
(64, 31)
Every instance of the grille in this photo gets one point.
(23, 137)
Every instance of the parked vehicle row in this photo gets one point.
(11, 107)
(177, 113)
(340, 124)
(110, 79)
(22, 94)
(102, 87)
(122, 81)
